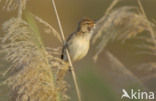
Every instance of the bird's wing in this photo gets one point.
(66, 44)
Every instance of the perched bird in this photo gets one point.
(78, 43)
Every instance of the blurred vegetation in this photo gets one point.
(126, 58)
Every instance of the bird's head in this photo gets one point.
(86, 25)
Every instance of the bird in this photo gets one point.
(78, 43)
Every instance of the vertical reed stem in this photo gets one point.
(68, 56)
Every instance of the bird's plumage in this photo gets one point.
(78, 43)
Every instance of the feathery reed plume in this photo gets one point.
(14, 4)
(151, 28)
(121, 24)
(31, 75)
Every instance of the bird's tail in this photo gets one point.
(62, 71)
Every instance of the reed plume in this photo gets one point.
(14, 4)
(31, 75)
(121, 24)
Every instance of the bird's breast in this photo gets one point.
(78, 48)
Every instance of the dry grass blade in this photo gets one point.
(31, 74)
(121, 24)
(118, 71)
(51, 28)
(145, 71)
(120, 68)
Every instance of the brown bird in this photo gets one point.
(78, 43)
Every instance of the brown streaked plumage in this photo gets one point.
(78, 42)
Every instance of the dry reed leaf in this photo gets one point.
(116, 69)
(145, 71)
(121, 24)
(51, 28)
